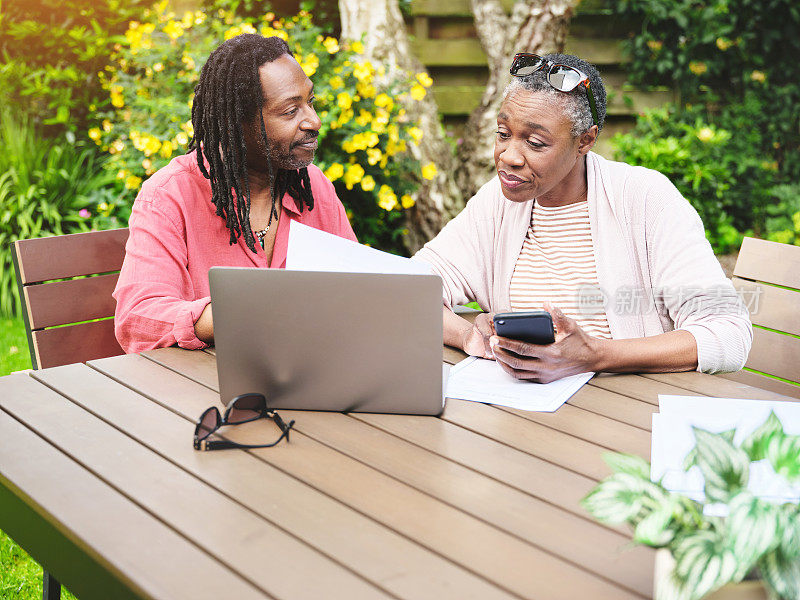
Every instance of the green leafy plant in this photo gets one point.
(47, 187)
(365, 134)
(50, 53)
(712, 551)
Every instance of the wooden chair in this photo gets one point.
(767, 274)
(65, 284)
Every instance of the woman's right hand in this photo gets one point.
(475, 341)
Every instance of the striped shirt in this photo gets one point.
(557, 263)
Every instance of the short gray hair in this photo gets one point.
(575, 103)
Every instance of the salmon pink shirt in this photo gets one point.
(176, 236)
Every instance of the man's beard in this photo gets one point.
(284, 158)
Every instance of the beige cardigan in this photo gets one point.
(649, 244)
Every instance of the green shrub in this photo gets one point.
(723, 186)
(364, 134)
(47, 186)
(50, 53)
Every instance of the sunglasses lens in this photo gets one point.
(564, 79)
(526, 64)
(209, 423)
(246, 408)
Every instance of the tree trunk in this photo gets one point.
(386, 43)
(538, 26)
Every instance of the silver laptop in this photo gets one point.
(360, 342)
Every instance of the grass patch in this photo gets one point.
(14, 355)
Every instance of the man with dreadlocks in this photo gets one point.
(229, 200)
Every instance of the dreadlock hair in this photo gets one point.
(228, 95)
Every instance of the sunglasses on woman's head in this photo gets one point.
(561, 77)
(242, 409)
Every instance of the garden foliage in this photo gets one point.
(50, 54)
(365, 132)
(730, 60)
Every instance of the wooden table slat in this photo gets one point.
(256, 549)
(472, 543)
(638, 387)
(91, 537)
(555, 530)
(381, 555)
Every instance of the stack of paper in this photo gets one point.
(482, 380)
(673, 439)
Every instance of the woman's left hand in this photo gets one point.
(574, 351)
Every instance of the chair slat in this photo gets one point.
(75, 343)
(771, 262)
(770, 306)
(775, 353)
(765, 383)
(72, 255)
(64, 302)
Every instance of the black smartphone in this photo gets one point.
(534, 327)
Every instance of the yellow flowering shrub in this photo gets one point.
(365, 134)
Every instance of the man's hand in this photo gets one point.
(574, 351)
(475, 341)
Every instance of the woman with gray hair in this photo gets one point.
(613, 252)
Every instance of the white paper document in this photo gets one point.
(673, 438)
(482, 380)
(314, 250)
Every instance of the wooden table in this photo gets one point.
(101, 485)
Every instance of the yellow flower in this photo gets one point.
(706, 134)
(107, 125)
(357, 47)
(387, 199)
(655, 45)
(132, 182)
(334, 172)
(336, 82)
(95, 133)
(344, 100)
(429, 171)
(698, 68)
(425, 79)
(368, 183)
(723, 44)
(158, 67)
(374, 155)
(174, 29)
(363, 71)
(310, 64)
(353, 175)
(364, 118)
(331, 45)
(417, 92)
(407, 201)
(147, 163)
(189, 62)
(371, 139)
(367, 90)
(182, 139)
(117, 146)
(103, 206)
(166, 149)
(758, 76)
(415, 133)
(384, 101)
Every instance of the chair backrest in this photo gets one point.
(65, 284)
(767, 274)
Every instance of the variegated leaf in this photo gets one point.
(756, 443)
(654, 529)
(627, 463)
(781, 573)
(752, 530)
(790, 523)
(725, 467)
(703, 563)
(783, 453)
(616, 499)
(691, 457)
